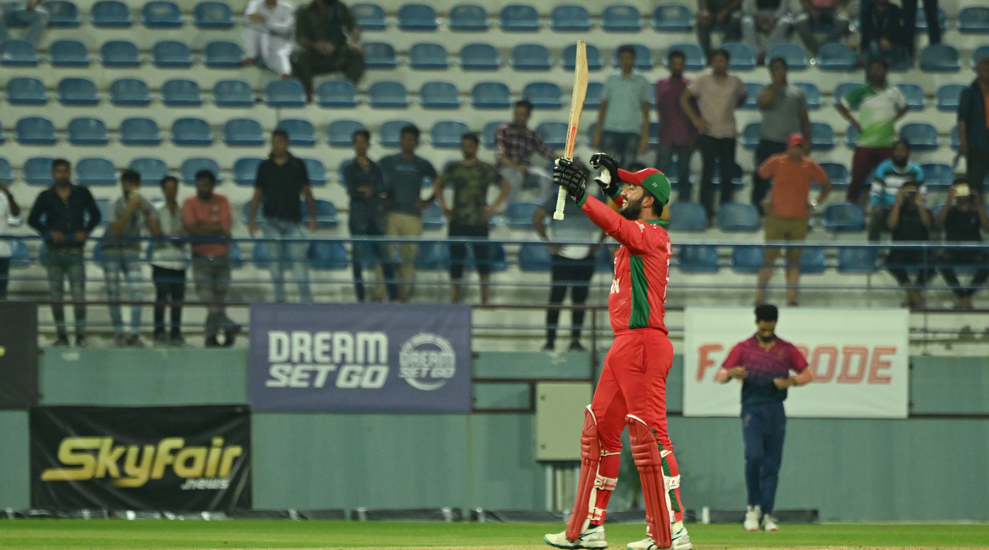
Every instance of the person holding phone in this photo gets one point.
(963, 219)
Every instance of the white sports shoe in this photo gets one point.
(769, 523)
(593, 537)
(752, 516)
(681, 541)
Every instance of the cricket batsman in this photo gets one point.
(632, 388)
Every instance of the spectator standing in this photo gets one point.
(788, 210)
(622, 129)
(880, 106)
(909, 221)
(366, 187)
(206, 219)
(514, 145)
(963, 219)
(884, 35)
(131, 215)
(65, 215)
(784, 113)
(973, 127)
(168, 261)
(771, 18)
(404, 175)
(718, 95)
(470, 213)
(718, 14)
(676, 132)
(281, 179)
(819, 12)
(10, 212)
(268, 28)
(21, 12)
(889, 177)
(330, 42)
(931, 15)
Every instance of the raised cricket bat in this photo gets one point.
(576, 108)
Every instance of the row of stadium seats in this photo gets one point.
(154, 15)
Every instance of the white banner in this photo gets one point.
(859, 359)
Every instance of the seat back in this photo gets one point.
(233, 93)
(68, 53)
(285, 93)
(439, 95)
(370, 17)
(570, 18)
(151, 169)
(468, 18)
(222, 54)
(336, 93)
(87, 131)
(428, 56)
(212, 15)
(479, 57)
(519, 18)
(301, 132)
(180, 92)
(621, 18)
(161, 15)
(130, 92)
(417, 17)
(26, 90)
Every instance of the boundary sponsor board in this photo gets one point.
(859, 358)
(18, 355)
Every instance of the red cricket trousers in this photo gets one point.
(866, 160)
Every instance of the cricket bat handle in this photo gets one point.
(561, 203)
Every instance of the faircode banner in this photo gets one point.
(859, 359)
(179, 459)
(358, 358)
(18, 355)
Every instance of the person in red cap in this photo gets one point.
(788, 209)
(632, 388)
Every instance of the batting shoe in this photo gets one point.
(769, 523)
(592, 537)
(752, 516)
(681, 541)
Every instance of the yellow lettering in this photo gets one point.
(137, 474)
(106, 460)
(229, 454)
(198, 456)
(164, 455)
(213, 460)
(68, 456)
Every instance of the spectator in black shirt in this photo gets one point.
(909, 221)
(280, 180)
(963, 219)
(883, 33)
(65, 215)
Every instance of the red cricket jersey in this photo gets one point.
(642, 268)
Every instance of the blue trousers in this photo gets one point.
(763, 429)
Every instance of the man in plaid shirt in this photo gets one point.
(514, 145)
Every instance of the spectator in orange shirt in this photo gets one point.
(788, 210)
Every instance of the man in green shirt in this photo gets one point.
(329, 40)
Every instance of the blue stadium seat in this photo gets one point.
(68, 53)
(940, 58)
(171, 54)
(822, 136)
(488, 133)
(479, 57)
(554, 134)
(695, 56)
(391, 132)
(534, 257)
(491, 95)
(543, 95)
(621, 18)
(973, 20)
(921, 135)
(326, 213)
(687, 216)
(851, 137)
(742, 58)
(151, 169)
(26, 90)
(6, 176)
(794, 54)
(370, 17)
(35, 131)
(388, 94)
(120, 54)
(38, 171)
(518, 215)
(192, 132)
(858, 260)
(914, 96)
(737, 217)
(212, 15)
(246, 170)
(530, 57)
(439, 95)
(843, 89)
(221, 54)
(301, 133)
(95, 171)
(812, 93)
(592, 98)
(378, 55)
(519, 18)
(812, 261)
(468, 18)
(233, 93)
(62, 15)
(110, 14)
(417, 17)
(836, 56)
(752, 89)
(284, 93)
(161, 15)
(243, 132)
(87, 131)
(568, 58)
(432, 217)
(130, 92)
(643, 57)
(922, 19)
(938, 176)
(191, 166)
(750, 135)
(340, 132)
(179, 92)
(18, 53)
(446, 134)
(746, 259)
(837, 173)
(428, 56)
(570, 18)
(104, 205)
(673, 18)
(954, 139)
(698, 259)
(843, 218)
(948, 96)
(336, 94)
(317, 172)
(328, 255)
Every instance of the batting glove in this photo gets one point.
(608, 180)
(571, 178)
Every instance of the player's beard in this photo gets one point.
(632, 209)
(767, 340)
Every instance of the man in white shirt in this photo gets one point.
(168, 265)
(268, 34)
(9, 212)
(30, 13)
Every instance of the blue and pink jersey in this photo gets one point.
(762, 366)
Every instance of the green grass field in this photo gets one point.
(163, 534)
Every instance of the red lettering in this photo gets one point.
(705, 362)
(815, 361)
(878, 364)
(848, 352)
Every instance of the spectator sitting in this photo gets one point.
(818, 12)
(330, 40)
(973, 126)
(268, 34)
(168, 265)
(910, 20)
(130, 215)
(963, 219)
(724, 14)
(470, 213)
(21, 12)
(676, 132)
(622, 129)
(884, 35)
(768, 17)
(888, 178)
(9, 214)
(515, 143)
(909, 221)
(788, 209)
